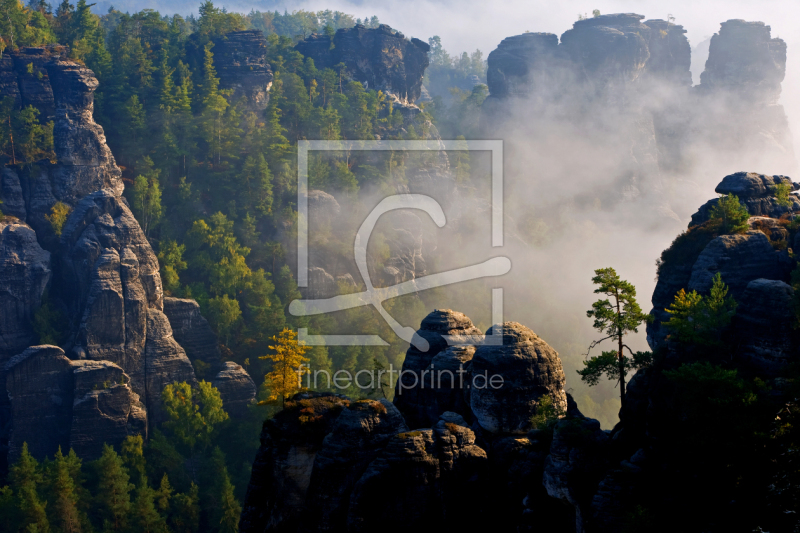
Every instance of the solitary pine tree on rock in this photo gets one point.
(615, 316)
(287, 369)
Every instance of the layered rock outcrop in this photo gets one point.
(622, 86)
(101, 271)
(516, 376)
(57, 402)
(194, 334)
(327, 463)
(758, 254)
(756, 192)
(84, 163)
(379, 58)
(744, 59)
(411, 397)
(240, 58)
(24, 274)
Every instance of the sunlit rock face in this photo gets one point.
(119, 352)
(62, 91)
(379, 58)
(529, 370)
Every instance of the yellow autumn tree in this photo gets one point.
(287, 369)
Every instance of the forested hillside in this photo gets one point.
(210, 174)
(210, 177)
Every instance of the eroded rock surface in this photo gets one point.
(240, 58)
(24, 274)
(379, 58)
(409, 397)
(509, 381)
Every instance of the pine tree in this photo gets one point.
(257, 184)
(230, 510)
(164, 494)
(186, 511)
(192, 414)
(113, 491)
(26, 478)
(616, 319)
(224, 511)
(284, 379)
(132, 452)
(146, 519)
(65, 516)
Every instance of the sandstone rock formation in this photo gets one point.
(739, 92)
(755, 191)
(24, 274)
(759, 253)
(513, 379)
(409, 396)
(379, 58)
(236, 388)
(327, 464)
(120, 350)
(104, 408)
(744, 58)
(72, 404)
(282, 468)
(622, 85)
(84, 162)
(240, 60)
(193, 333)
(764, 326)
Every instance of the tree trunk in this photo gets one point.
(621, 357)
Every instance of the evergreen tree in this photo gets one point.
(616, 319)
(185, 517)
(132, 452)
(287, 367)
(113, 498)
(146, 518)
(65, 516)
(26, 479)
(701, 320)
(730, 214)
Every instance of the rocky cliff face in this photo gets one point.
(327, 463)
(240, 60)
(120, 351)
(758, 254)
(62, 90)
(379, 58)
(24, 274)
(72, 404)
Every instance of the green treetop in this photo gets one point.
(615, 316)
